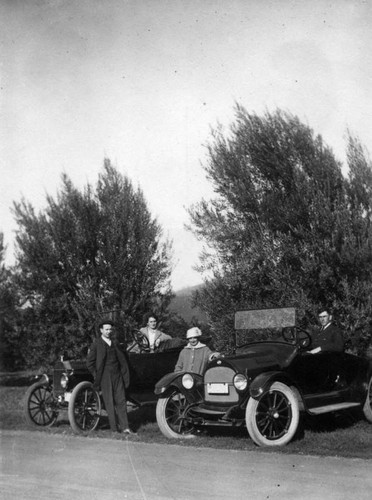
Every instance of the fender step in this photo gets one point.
(330, 408)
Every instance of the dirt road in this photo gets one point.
(38, 465)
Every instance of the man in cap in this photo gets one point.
(108, 364)
(195, 356)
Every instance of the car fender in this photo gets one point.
(43, 379)
(174, 380)
(368, 378)
(263, 381)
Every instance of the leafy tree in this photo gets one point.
(89, 253)
(285, 227)
(9, 354)
(355, 301)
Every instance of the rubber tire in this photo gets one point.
(86, 387)
(163, 406)
(367, 408)
(38, 393)
(293, 418)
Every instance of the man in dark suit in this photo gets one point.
(329, 337)
(108, 364)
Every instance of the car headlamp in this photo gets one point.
(64, 380)
(240, 382)
(188, 381)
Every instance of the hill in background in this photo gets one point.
(181, 304)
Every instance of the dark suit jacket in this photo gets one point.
(97, 357)
(330, 339)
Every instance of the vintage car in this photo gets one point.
(70, 386)
(266, 385)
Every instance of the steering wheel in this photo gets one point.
(298, 336)
(289, 335)
(303, 338)
(142, 341)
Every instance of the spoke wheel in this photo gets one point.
(40, 407)
(84, 408)
(367, 408)
(273, 419)
(171, 416)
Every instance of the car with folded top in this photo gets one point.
(69, 386)
(265, 386)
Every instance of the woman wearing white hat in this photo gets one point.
(195, 356)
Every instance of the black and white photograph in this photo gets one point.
(185, 249)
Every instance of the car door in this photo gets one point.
(146, 369)
(318, 374)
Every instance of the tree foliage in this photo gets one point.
(9, 355)
(88, 253)
(286, 227)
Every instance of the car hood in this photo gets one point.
(259, 355)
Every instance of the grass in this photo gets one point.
(345, 434)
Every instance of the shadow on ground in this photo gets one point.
(139, 417)
(344, 434)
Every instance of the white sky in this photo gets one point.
(142, 82)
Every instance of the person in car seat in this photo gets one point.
(154, 336)
(329, 337)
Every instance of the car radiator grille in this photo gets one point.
(218, 385)
(57, 388)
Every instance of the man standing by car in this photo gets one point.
(108, 364)
(329, 337)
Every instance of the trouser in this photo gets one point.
(115, 402)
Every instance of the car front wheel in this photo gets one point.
(40, 408)
(84, 408)
(171, 416)
(272, 420)
(367, 408)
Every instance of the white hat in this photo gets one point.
(193, 332)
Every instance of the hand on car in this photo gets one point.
(315, 351)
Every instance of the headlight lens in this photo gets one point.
(188, 381)
(240, 382)
(64, 380)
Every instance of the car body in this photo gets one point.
(265, 385)
(70, 387)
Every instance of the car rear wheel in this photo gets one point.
(367, 408)
(171, 413)
(40, 406)
(272, 420)
(84, 408)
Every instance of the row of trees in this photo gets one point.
(286, 227)
(89, 254)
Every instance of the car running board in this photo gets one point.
(329, 408)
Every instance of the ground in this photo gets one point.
(38, 465)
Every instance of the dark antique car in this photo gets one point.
(70, 386)
(266, 385)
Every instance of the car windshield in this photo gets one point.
(265, 325)
(244, 337)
